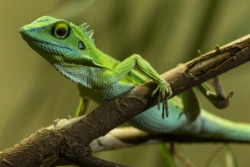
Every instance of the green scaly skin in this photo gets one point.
(71, 50)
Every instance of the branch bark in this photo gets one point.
(70, 138)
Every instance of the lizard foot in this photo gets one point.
(165, 92)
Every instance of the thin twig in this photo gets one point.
(178, 155)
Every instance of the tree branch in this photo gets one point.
(71, 138)
(130, 137)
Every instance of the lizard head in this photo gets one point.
(58, 40)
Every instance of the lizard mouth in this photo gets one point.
(45, 45)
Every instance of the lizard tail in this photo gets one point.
(219, 128)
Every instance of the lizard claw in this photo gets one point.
(165, 92)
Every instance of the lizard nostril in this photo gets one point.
(33, 30)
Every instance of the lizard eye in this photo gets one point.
(61, 31)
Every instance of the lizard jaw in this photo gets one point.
(44, 45)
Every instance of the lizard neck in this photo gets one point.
(101, 58)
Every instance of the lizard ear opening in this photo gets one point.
(81, 45)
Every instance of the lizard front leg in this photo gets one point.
(82, 107)
(83, 104)
(123, 68)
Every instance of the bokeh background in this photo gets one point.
(164, 32)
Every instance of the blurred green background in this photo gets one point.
(164, 32)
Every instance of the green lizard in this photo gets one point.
(71, 50)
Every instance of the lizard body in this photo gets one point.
(71, 50)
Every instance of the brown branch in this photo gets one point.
(71, 138)
(209, 65)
